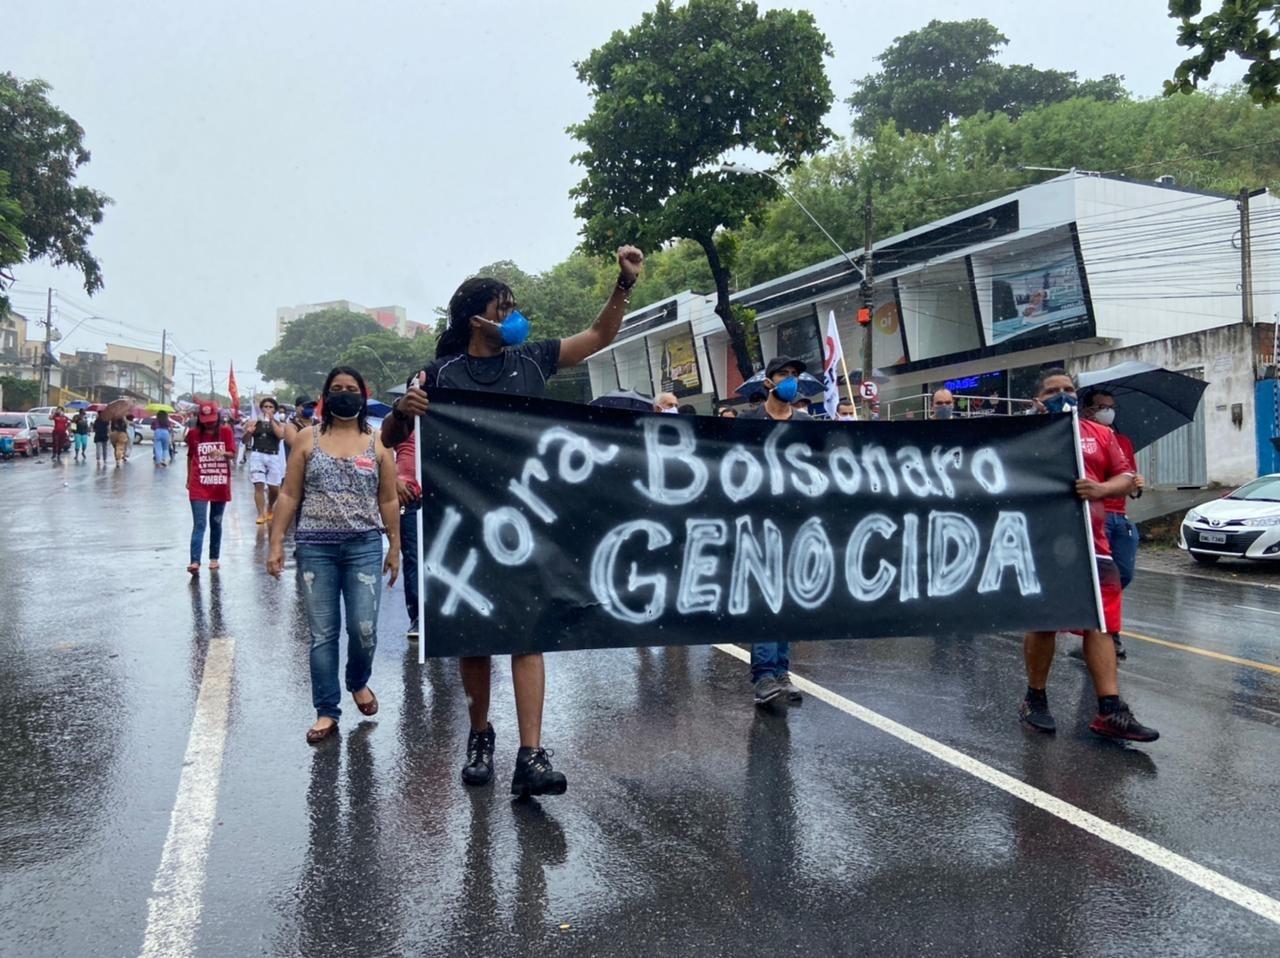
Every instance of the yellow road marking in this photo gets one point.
(1220, 656)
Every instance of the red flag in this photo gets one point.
(232, 391)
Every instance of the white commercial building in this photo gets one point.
(1084, 271)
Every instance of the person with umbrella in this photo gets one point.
(121, 439)
(1099, 406)
(80, 436)
(161, 438)
(771, 661)
(1108, 473)
(484, 348)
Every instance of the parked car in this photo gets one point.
(1244, 524)
(44, 426)
(42, 411)
(19, 427)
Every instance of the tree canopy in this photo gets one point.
(13, 245)
(1239, 27)
(672, 97)
(312, 345)
(41, 148)
(947, 69)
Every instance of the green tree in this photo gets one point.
(1239, 27)
(1212, 142)
(385, 359)
(947, 70)
(312, 345)
(13, 245)
(672, 96)
(41, 148)
(19, 394)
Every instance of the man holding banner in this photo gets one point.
(771, 661)
(484, 349)
(1108, 474)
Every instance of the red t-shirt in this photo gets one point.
(1118, 504)
(208, 469)
(60, 424)
(407, 463)
(1103, 460)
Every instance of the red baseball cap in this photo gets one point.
(207, 413)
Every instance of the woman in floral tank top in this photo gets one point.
(346, 481)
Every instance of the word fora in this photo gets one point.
(677, 476)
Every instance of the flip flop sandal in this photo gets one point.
(317, 735)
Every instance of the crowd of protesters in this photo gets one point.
(346, 485)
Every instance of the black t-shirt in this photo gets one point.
(101, 429)
(797, 415)
(519, 370)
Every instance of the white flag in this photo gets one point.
(832, 355)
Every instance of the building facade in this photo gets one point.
(1083, 270)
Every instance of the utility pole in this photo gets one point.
(48, 339)
(193, 387)
(213, 391)
(1246, 262)
(868, 285)
(164, 338)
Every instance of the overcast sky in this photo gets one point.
(270, 154)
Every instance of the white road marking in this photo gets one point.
(173, 911)
(1211, 881)
(1253, 608)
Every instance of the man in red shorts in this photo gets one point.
(1108, 473)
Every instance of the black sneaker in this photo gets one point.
(1036, 715)
(1121, 725)
(479, 767)
(535, 776)
(767, 688)
(793, 694)
(1120, 652)
(412, 634)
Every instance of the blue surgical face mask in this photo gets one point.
(1063, 402)
(787, 389)
(514, 329)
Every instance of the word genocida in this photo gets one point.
(750, 527)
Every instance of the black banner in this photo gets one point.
(551, 526)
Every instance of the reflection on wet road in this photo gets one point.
(694, 823)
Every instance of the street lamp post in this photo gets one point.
(865, 276)
(391, 379)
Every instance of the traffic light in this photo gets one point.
(864, 316)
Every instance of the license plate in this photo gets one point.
(1214, 538)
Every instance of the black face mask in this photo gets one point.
(344, 405)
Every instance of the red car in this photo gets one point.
(44, 426)
(20, 427)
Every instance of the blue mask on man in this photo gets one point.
(515, 328)
(1063, 402)
(787, 389)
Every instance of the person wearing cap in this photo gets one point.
(304, 409)
(266, 466)
(211, 448)
(771, 661)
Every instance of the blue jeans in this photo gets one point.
(337, 574)
(409, 559)
(1123, 536)
(770, 658)
(203, 513)
(160, 445)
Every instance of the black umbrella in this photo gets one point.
(624, 399)
(807, 386)
(1150, 402)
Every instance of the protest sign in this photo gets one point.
(552, 526)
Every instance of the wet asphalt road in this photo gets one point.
(694, 823)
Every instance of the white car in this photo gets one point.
(1244, 524)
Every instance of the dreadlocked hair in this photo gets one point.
(472, 298)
